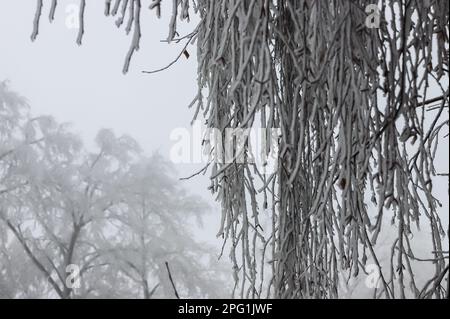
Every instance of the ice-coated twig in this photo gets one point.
(81, 22)
(137, 33)
(37, 17)
(51, 15)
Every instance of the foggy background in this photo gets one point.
(85, 85)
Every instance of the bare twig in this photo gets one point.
(171, 281)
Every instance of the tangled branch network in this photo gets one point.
(361, 112)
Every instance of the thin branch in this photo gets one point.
(171, 281)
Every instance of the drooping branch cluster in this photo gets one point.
(126, 11)
(351, 104)
(361, 111)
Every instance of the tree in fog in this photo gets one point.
(152, 227)
(60, 198)
(360, 97)
(113, 213)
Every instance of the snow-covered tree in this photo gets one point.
(360, 93)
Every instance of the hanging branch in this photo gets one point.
(51, 16)
(37, 17)
(136, 11)
(81, 22)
